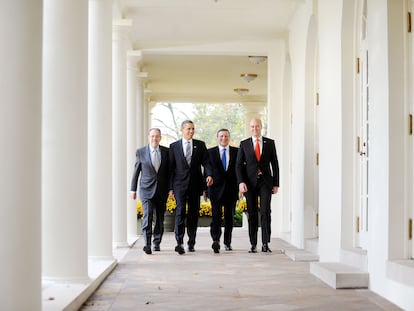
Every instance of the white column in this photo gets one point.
(141, 112)
(100, 129)
(331, 129)
(132, 67)
(20, 140)
(64, 140)
(275, 128)
(147, 107)
(120, 189)
(253, 110)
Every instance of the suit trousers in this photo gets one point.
(150, 207)
(189, 219)
(263, 192)
(215, 227)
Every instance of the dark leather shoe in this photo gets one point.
(216, 247)
(191, 249)
(147, 249)
(156, 248)
(266, 249)
(179, 249)
(253, 249)
(228, 247)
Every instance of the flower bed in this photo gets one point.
(205, 211)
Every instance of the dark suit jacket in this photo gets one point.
(150, 180)
(183, 176)
(247, 165)
(223, 179)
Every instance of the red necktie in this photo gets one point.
(257, 150)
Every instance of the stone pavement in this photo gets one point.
(230, 280)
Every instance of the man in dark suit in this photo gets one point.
(152, 163)
(257, 171)
(224, 191)
(187, 183)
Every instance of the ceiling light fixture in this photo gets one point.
(248, 77)
(257, 59)
(241, 91)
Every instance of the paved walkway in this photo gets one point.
(234, 280)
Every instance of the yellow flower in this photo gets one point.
(241, 205)
(171, 205)
(140, 212)
(205, 209)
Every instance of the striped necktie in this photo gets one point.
(188, 152)
(156, 160)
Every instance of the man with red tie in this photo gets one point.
(257, 172)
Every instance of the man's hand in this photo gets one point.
(171, 195)
(209, 181)
(242, 188)
(134, 195)
(275, 190)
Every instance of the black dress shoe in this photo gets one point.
(216, 247)
(191, 249)
(156, 248)
(228, 247)
(179, 249)
(253, 249)
(147, 249)
(266, 249)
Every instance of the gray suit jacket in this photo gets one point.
(150, 181)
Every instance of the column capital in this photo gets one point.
(142, 76)
(122, 23)
(147, 94)
(134, 58)
(121, 29)
(255, 107)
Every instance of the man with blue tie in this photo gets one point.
(187, 157)
(223, 193)
(257, 171)
(152, 164)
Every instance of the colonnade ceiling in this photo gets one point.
(196, 50)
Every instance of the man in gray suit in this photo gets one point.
(152, 164)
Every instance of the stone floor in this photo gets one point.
(230, 280)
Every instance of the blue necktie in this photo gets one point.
(224, 159)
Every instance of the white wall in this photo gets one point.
(388, 130)
(349, 134)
